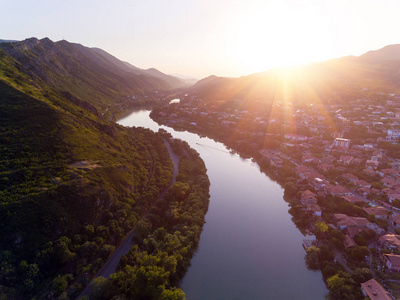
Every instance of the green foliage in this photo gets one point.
(312, 261)
(71, 183)
(168, 237)
(60, 283)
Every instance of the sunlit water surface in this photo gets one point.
(249, 247)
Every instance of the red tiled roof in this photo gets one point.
(348, 241)
(378, 211)
(375, 291)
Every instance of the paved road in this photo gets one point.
(111, 265)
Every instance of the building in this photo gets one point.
(348, 242)
(393, 135)
(276, 161)
(345, 159)
(295, 137)
(396, 221)
(352, 199)
(378, 212)
(392, 261)
(350, 177)
(375, 291)
(390, 241)
(341, 143)
(344, 221)
(362, 184)
(337, 190)
(308, 197)
(314, 209)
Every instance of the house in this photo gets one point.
(374, 291)
(390, 241)
(315, 209)
(357, 161)
(337, 134)
(308, 197)
(301, 171)
(352, 199)
(388, 172)
(295, 137)
(393, 196)
(392, 261)
(396, 221)
(393, 135)
(371, 164)
(308, 158)
(272, 159)
(337, 190)
(317, 183)
(378, 212)
(388, 191)
(344, 221)
(350, 177)
(345, 159)
(324, 167)
(369, 172)
(341, 143)
(275, 161)
(353, 231)
(364, 191)
(329, 159)
(348, 241)
(389, 182)
(362, 184)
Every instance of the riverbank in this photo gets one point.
(240, 253)
(316, 198)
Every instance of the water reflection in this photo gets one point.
(249, 248)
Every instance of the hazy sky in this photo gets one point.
(200, 38)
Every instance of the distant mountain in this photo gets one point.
(378, 69)
(171, 80)
(388, 53)
(8, 41)
(188, 79)
(91, 75)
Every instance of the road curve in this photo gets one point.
(111, 265)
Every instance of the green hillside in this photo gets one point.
(83, 72)
(72, 184)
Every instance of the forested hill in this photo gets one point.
(72, 184)
(89, 75)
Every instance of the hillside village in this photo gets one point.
(339, 165)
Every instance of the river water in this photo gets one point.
(249, 247)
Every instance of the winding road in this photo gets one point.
(111, 265)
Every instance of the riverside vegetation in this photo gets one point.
(72, 183)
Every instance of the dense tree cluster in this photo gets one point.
(71, 186)
(166, 239)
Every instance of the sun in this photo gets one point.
(281, 36)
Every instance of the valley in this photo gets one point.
(259, 167)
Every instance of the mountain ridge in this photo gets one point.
(378, 67)
(77, 69)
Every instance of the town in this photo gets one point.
(339, 164)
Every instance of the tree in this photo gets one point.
(99, 288)
(312, 258)
(60, 283)
(321, 228)
(339, 288)
(174, 294)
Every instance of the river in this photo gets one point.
(249, 247)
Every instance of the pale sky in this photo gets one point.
(201, 38)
